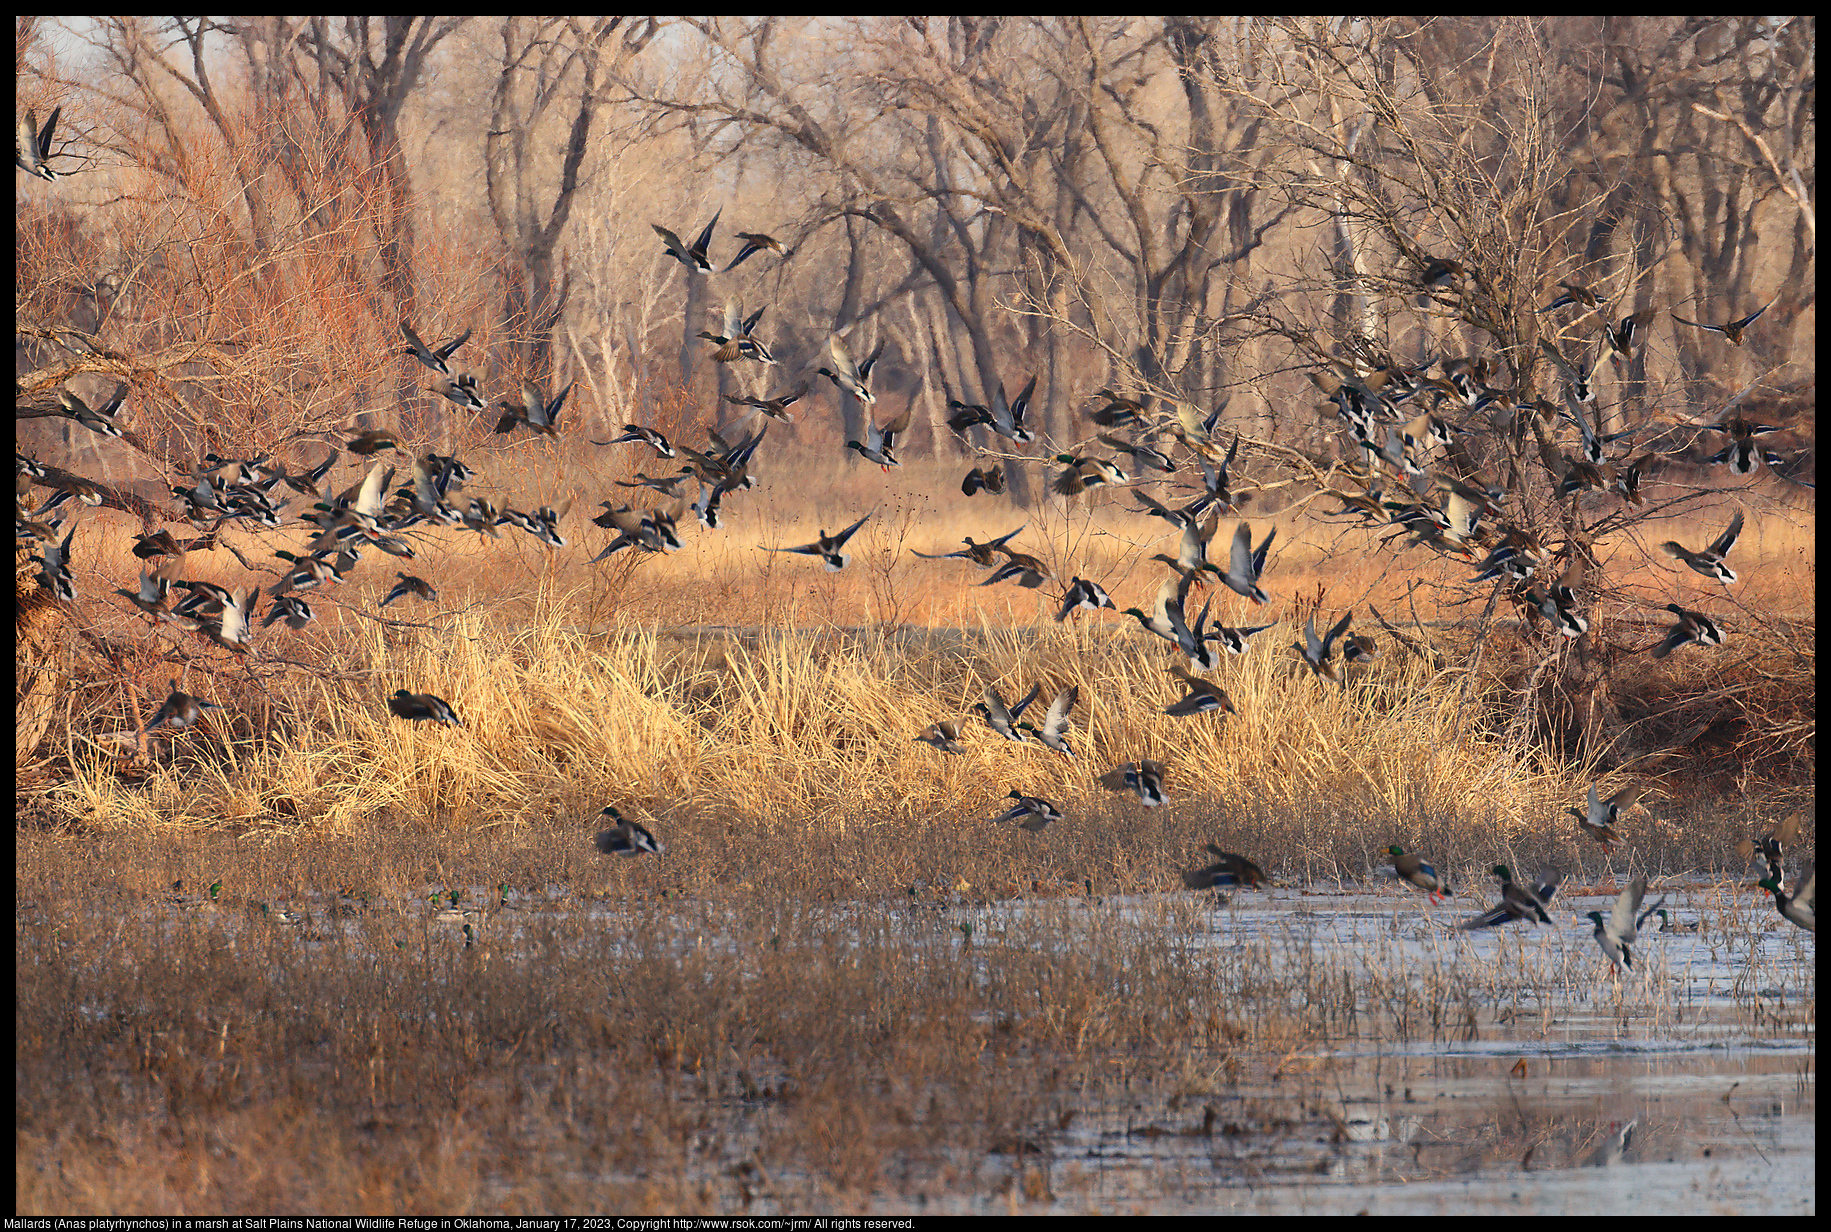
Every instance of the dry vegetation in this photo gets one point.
(784, 1012)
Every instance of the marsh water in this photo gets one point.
(1545, 1083)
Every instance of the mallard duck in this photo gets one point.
(1669, 925)
(1233, 641)
(1054, 731)
(1084, 473)
(153, 595)
(296, 612)
(422, 706)
(982, 554)
(827, 546)
(1203, 697)
(1625, 340)
(1030, 813)
(755, 242)
(1004, 417)
(437, 358)
(943, 735)
(1439, 272)
(534, 412)
(1192, 640)
(693, 258)
(309, 572)
(1599, 818)
(1143, 456)
(775, 408)
(365, 443)
(1796, 907)
(1192, 549)
(1317, 655)
(1616, 933)
(1159, 621)
(1771, 846)
(1734, 329)
(180, 710)
(1003, 719)
(1517, 901)
(1216, 484)
(411, 586)
(636, 434)
(984, 479)
(211, 901)
(32, 151)
(1228, 869)
(848, 376)
(1183, 516)
(1424, 431)
(1573, 294)
(1246, 564)
(739, 341)
(1026, 570)
(231, 627)
(1144, 778)
(1710, 562)
(468, 917)
(625, 838)
(1083, 595)
(882, 448)
(1693, 628)
(97, 418)
(1558, 605)
(1118, 413)
(1410, 867)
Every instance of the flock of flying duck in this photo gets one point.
(1445, 514)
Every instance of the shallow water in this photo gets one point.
(1704, 1055)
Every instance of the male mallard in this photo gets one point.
(1192, 549)
(1598, 820)
(437, 358)
(754, 242)
(1203, 696)
(1771, 846)
(848, 376)
(308, 572)
(1145, 778)
(1517, 901)
(978, 553)
(1558, 605)
(1233, 641)
(180, 710)
(98, 418)
(1192, 640)
(411, 586)
(1030, 813)
(882, 448)
(460, 388)
(454, 914)
(1246, 563)
(739, 339)
(1317, 654)
(1693, 628)
(626, 838)
(943, 735)
(1669, 925)
(32, 152)
(1411, 867)
(1159, 620)
(154, 593)
(827, 546)
(1083, 595)
(693, 258)
(1618, 931)
(1798, 906)
(1228, 869)
(1734, 329)
(422, 706)
(1003, 719)
(1710, 562)
(1143, 456)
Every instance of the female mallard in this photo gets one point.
(1410, 867)
(1030, 813)
(1710, 562)
(1203, 696)
(827, 546)
(422, 707)
(1517, 901)
(625, 838)
(1144, 778)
